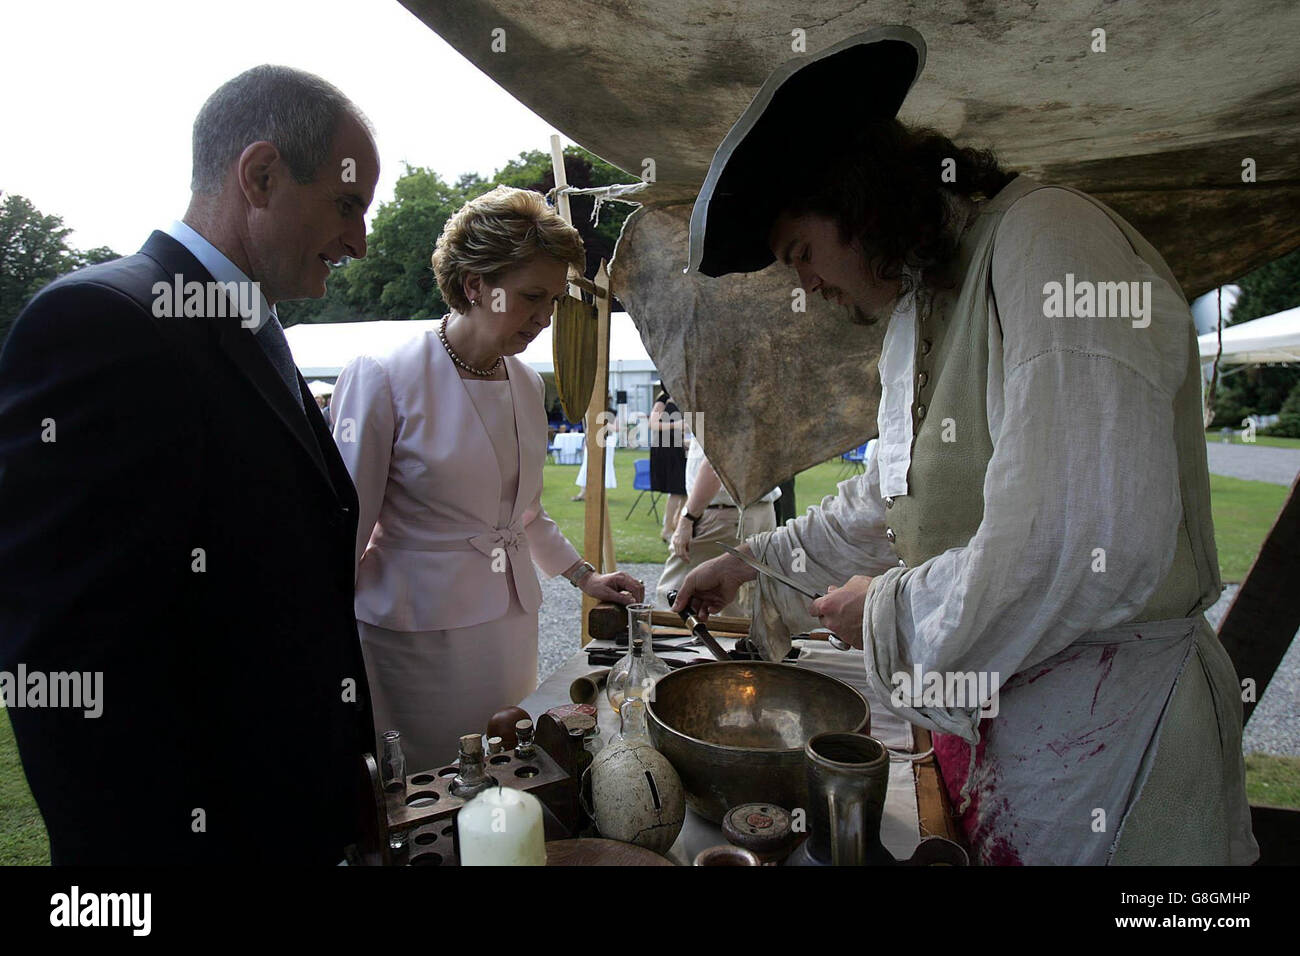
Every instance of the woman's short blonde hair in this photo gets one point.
(497, 231)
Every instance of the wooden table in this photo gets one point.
(916, 806)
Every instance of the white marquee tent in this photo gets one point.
(1269, 340)
(322, 351)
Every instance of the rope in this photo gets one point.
(602, 194)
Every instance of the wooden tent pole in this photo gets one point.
(598, 541)
(1263, 618)
(598, 546)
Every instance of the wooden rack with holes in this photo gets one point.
(427, 810)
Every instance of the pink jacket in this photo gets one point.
(429, 490)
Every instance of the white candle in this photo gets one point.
(501, 827)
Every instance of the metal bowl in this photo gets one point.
(735, 730)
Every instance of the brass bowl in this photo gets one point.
(735, 730)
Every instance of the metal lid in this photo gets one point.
(761, 827)
(579, 722)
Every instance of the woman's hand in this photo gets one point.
(841, 609)
(680, 545)
(617, 586)
(713, 585)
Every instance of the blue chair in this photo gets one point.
(855, 459)
(641, 483)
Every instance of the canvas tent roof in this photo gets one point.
(1272, 339)
(1157, 126)
(323, 350)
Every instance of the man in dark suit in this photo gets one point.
(174, 515)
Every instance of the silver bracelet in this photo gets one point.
(581, 573)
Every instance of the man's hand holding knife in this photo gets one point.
(714, 584)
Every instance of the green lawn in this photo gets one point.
(22, 834)
(636, 539)
(1259, 440)
(1273, 781)
(1243, 513)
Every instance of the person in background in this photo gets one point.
(710, 517)
(668, 457)
(445, 437)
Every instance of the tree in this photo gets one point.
(34, 252)
(1288, 417)
(533, 170)
(1260, 389)
(395, 280)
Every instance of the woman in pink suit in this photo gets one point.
(445, 438)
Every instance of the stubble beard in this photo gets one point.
(859, 316)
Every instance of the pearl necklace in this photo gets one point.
(482, 373)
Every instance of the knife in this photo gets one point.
(775, 575)
(831, 638)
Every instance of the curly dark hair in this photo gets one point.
(883, 185)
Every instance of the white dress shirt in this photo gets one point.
(897, 382)
(221, 269)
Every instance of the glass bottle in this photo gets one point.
(649, 668)
(633, 731)
(392, 767)
(591, 739)
(582, 756)
(524, 748)
(473, 778)
(398, 845)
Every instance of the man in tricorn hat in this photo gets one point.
(1037, 511)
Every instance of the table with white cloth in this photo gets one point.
(610, 480)
(567, 448)
(913, 805)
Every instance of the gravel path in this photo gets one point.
(1273, 727)
(558, 626)
(1254, 462)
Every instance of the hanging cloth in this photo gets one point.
(574, 344)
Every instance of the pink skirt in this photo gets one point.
(434, 686)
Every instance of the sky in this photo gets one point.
(100, 98)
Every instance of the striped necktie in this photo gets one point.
(271, 337)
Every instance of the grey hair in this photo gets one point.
(295, 111)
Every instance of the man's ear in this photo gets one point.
(257, 170)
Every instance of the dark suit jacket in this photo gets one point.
(228, 731)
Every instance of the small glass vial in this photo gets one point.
(398, 846)
(633, 732)
(473, 778)
(591, 741)
(525, 748)
(392, 767)
(578, 729)
(622, 682)
(494, 746)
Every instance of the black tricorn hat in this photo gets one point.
(865, 76)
